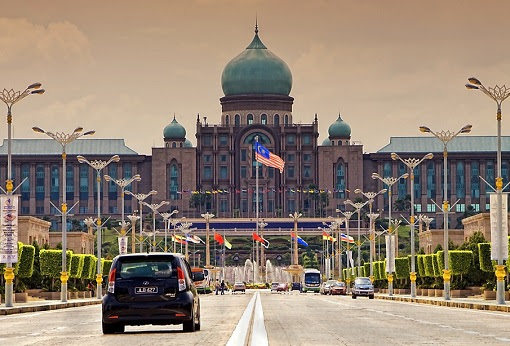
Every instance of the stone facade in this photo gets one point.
(78, 242)
(32, 229)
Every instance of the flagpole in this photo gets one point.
(223, 259)
(259, 261)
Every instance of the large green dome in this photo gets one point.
(339, 129)
(174, 130)
(256, 71)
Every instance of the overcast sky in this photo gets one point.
(124, 68)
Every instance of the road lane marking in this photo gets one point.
(259, 333)
(238, 337)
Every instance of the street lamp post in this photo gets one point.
(11, 97)
(166, 217)
(133, 218)
(295, 257)
(64, 139)
(445, 137)
(89, 222)
(154, 207)
(498, 94)
(347, 215)
(140, 197)
(370, 196)
(123, 183)
(357, 206)
(390, 181)
(411, 164)
(207, 216)
(262, 225)
(98, 165)
(185, 227)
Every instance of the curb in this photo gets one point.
(453, 304)
(45, 307)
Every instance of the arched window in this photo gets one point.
(431, 180)
(340, 180)
(39, 182)
(263, 119)
(227, 119)
(460, 185)
(286, 119)
(277, 119)
(387, 170)
(249, 119)
(174, 182)
(70, 182)
(174, 145)
(55, 182)
(237, 120)
(25, 187)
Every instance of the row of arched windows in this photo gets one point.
(263, 119)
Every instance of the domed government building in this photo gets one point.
(218, 175)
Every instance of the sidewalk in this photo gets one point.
(466, 303)
(43, 305)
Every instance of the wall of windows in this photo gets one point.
(25, 187)
(112, 187)
(475, 179)
(84, 182)
(402, 183)
(489, 176)
(174, 182)
(460, 180)
(431, 180)
(70, 183)
(340, 180)
(39, 183)
(54, 182)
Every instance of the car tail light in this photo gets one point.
(111, 280)
(180, 279)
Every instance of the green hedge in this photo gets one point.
(366, 269)
(427, 265)
(420, 266)
(460, 261)
(89, 267)
(107, 264)
(376, 270)
(26, 262)
(50, 262)
(440, 261)
(382, 269)
(76, 266)
(402, 266)
(484, 256)
(435, 265)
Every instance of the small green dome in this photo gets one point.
(187, 144)
(339, 129)
(326, 142)
(256, 71)
(174, 130)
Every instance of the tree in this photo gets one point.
(403, 204)
(470, 211)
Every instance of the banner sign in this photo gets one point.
(495, 235)
(9, 229)
(123, 244)
(390, 253)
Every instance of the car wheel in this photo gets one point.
(109, 328)
(353, 296)
(371, 296)
(189, 326)
(197, 324)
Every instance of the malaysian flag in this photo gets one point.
(267, 158)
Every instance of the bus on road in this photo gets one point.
(311, 280)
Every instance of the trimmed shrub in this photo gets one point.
(26, 262)
(440, 261)
(427, 265)
(435, 266)
(376, 270)
(89, 267)
(107, 264)
(366, 269)
(51, 262)
(420, 265)
(402, 267)
(382, 269)
(460, 261)
(76, 266)
(484, 256)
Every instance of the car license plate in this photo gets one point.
(146, 290)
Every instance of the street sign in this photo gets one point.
(495, 234)
(390, 253)
(123, 244)
(9, 228)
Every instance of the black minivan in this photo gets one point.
(151, 288)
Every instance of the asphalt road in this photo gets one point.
(289, 319)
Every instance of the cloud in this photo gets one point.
(24, 42)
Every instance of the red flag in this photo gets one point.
(218, 238)
(261, 240)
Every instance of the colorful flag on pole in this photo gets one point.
(267, 158)
(218, 238)
(191, 239)
(227, 244)
(346, 239)
(197, 238)
(178, 239)
(299, 239)
(261, 240)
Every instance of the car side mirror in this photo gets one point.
(197, 276)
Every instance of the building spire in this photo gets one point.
(256, 25)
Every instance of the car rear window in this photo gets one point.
(155, 268)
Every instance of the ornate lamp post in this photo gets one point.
(390, 181)
(371, 196)
(123, 183)
(132, 219)
(412, 163)
(347, 215)
(140, 197)
(98, 165)
(10, 97)
(166, 217)
(64, 139)
(498, 94)
(262, 225)
(295, 269)
(357, 206)
(89, 222)
(185, 227)
(154, 207)
(207, 216)
(445, 137)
